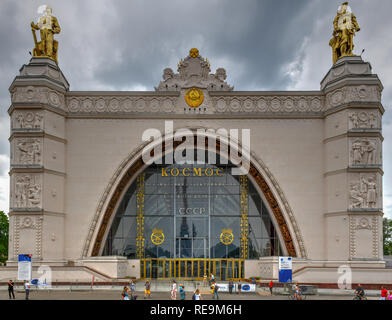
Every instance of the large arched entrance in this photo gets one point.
(191, 220)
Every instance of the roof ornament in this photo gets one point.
(194, 72)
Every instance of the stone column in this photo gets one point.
(353, 161)
(38, 172)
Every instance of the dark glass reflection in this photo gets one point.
(192, 211)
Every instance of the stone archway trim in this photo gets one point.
(139, 164)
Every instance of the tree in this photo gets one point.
(387, 236)
(3, 237)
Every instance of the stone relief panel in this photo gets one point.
(268, 104)
(26, 229)
(27, 151)
(31, 94)
(365, 237)
(27, 191)
(364, 120)
(365, 151)
(27, 120)
(113, 104)
(365, 191)
(353, 94)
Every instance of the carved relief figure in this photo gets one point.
(48, 27)
(345, 25)
(27, 192)
(371, 149)
(363, 152)
(28, 151)
(357, 152)
(371, 197)
(363, 193)
(37, 121)
(356, 197)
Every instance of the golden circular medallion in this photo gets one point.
(194, 53)
(194, 97)
(157, 237)
(226, 237)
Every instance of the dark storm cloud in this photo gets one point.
(258, 35)
(262, 44)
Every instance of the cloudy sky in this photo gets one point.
(263, 45)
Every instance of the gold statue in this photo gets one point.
(345, 25)
(48, 27)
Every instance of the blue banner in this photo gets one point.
(285, 276)
(24, 257)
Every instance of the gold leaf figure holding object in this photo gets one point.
(48, 27)
(345, 25)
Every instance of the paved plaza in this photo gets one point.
(116, 295)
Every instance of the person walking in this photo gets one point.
(239, 287)
(11, 289)
(389, 296)
(182, 292)
(147, 290)
(231, 287)
(384, 293)
(27, 289)
(196, 295)
(125, 293)
(173, 291)
(215, 294)
(271, 285)
(133, 290)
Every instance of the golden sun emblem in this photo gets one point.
(226, 236)
(157, 237)
(194, 53)
(194, 97)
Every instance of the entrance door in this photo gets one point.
(191, 248)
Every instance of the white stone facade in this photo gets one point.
(320, 153)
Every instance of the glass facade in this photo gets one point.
(191, 211)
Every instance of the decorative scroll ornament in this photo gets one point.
(226, 236)
(194, 97)
(48, 27)
(157, 236)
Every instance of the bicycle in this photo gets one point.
(359, 297)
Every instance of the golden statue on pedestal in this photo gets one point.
(48, 27)
(345, 25)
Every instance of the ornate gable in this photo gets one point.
(194, 71)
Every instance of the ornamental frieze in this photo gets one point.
(32, 94)
(120, 104)
(349, 94)
(268, 104)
